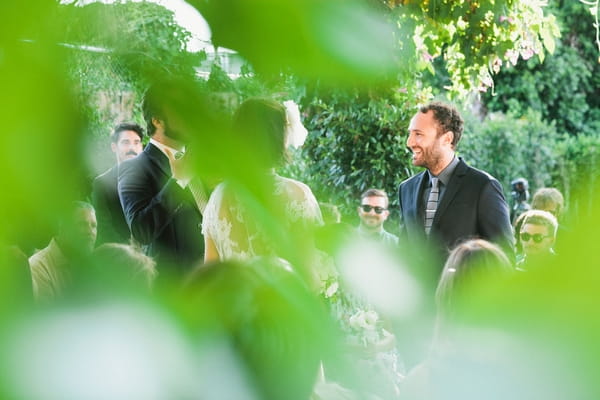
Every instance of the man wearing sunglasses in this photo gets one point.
(537, 235)
(450, 201)
(373, 211)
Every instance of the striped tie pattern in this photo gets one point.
(199, 193)
(432, 203)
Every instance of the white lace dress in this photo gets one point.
(239, 234)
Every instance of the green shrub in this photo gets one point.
(508, 147)
(355, 142)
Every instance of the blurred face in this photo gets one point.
(536, 239)
(373, 212)
(551, 207)
(128, 146)
(429, 150)
(80, 232)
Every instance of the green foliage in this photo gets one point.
(342, 42)
(508, 147)
(115, 50)
(577, 172)
(476, 38)
(563, 88)
(356, 141)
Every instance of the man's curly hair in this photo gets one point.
(448, 119)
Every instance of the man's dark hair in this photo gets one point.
(151, 108)
(448, 119)
(126, 126)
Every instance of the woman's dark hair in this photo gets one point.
(261, 125)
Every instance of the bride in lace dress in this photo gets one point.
(260, 213)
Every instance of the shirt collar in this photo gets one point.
(163, 147)
(446, 173)
(364, 231)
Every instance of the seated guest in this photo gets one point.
(549, 199)
(53, 266)
(537, 235)
(552, 200)
(468, 262)
(125, 265)
(469, 266)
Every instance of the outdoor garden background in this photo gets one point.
(525, 74)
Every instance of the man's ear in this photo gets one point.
(449, 137)
(113, 147)
(157, 122)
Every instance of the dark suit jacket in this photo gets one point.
(161, 215)
(473, 206)
(112, 226)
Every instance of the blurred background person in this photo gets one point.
(126, 143)
(471, 264)
(373, 212)
(125, 266)
(53, 267)
(552, 200)
(549, 199)
(519, 196)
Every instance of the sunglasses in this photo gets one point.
(537, 237)
(367, 208)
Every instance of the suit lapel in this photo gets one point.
(158, 158)
(414, 202)
(456, 181)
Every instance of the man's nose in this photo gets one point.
(410, 140)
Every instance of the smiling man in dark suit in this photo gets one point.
(465, 203)
(126, 143)
(154, 188)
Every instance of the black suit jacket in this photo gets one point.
(473, 206)
(161, 215)
(112, 226)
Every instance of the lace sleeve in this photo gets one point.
(225, 225)
(211, 212)
(302, 205)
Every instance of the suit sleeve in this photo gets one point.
(402, 229)
(494, 218)
(106, 232)
(147, 210)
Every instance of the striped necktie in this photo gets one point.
(432, 203)
(199, 194)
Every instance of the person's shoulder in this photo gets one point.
(108, 176)
(293, 186)
(412, 180)
(39, 258)
(475, 173)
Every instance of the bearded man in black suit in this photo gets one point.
(470, 203)
(155, 189)
(126, 143)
